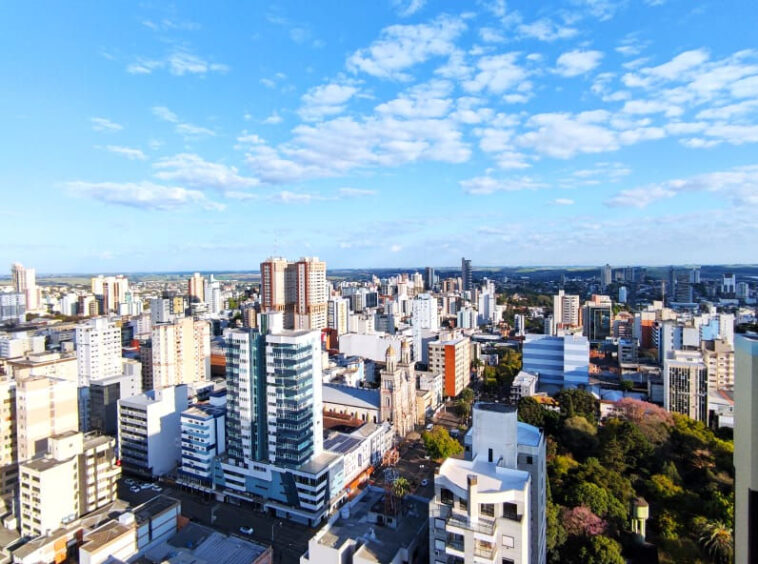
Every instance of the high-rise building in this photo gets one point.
(149, 430)
(685, 384)
(299, 289)
(196, 288)
(202, 428)
(45, 406)
(181, 352)
(12, 306)
(24, 281)
(294, 404)
(491, 506)
(566, 311)
(425, 317)
(729, 284)
(246, 428)
(338, 310)
(746, 448)
(606, 276)
(98, 349)
(563, 360)
(110, 291)
(718, 356)
(467, 275)
(429, 276)
(451, 357)
(597, 317)
(623, 294)
(8, 438)
(78, 475)
(398, 391)
(104, 394)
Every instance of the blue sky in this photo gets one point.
(388, 133)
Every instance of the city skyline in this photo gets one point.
(203, 137)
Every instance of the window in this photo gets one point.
(463, 503)
(489, 455)
(510, 511)
(439, 523)
(487, 509)
(529, 460)
(507, 561)
(446, 496)
(508, 542)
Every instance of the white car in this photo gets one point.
(246, 530)
(135, 489)
(129, 482)
(156, 488)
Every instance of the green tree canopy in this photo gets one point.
(439, 444)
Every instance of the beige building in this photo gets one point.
(718, 356)
(77, 476)
(566, 311)
(299, 289)
(451, 357)
(110, 290)
(44, 407)
(48, 364)
(181, 353)
(8, 439)
(196, 288)
(398, 391)
(25, 281)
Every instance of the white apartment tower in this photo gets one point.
(746, 448)
(338, 310)
(98, 350)
(491, 506)
(566, 311)
(425, 318)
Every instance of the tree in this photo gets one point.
(439, 444)
(626, 385)
(579, 436)
(531, 412)
(578, 402)
(601, 550)
(463, 407)
(556, 533)
(467, 395)
(600, 501)
(581, 521)
(715, 538)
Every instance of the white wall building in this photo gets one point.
(98, 349)
(149, 430)
(425, 316)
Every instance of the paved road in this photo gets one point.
(290, 540)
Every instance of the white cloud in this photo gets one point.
(128, 152)
(326, 100)
(679, 65)
(403, 46)
(273, 119)
(574, 63)
(178, 63)
(183, 128)
(142, 195)
(355, 192)
(601, 172)
(163, 113)
(485, 185)
(740, 185)
(192, 170)
(396, 248)
(546, 29)
(563, 135)
(601, 9)
(496, 74)
(407, 8)
(104, 124)
(426, 100)
(563, 202)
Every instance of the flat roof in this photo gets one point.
(153, 507)
(340, 442)
(105, 535)
(318, 463)
(491, 478)
(378, 543)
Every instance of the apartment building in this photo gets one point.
(718, 356)
(490, 507)
(685, 384)
(299, 289)
(181, 352)
(149, 430)
(77, 476)
(451, 357)
(203, 438)
(98, 349)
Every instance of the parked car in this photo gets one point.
(135, 489)
(156, 488)
(246, 530)
(129, 482)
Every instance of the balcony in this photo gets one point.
(462, 521)
(485, 554)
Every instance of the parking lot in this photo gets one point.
(290, 540)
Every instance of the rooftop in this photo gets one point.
(105, 535)
(378, 543)
(197, 544)
(318, 463)
(155, 506)
(347, 395)
(491, 477)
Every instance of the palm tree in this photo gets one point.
(400, 487)
(716, 540)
